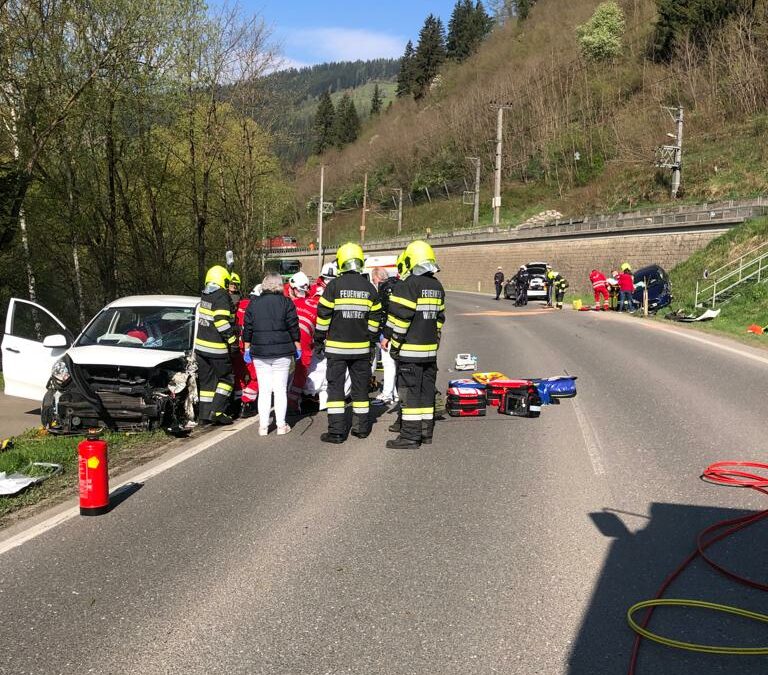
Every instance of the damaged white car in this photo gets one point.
(132, 367)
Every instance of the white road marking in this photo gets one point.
(591, 442)
(68, 514)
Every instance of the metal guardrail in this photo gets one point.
(709, 215)
(738, 262)
(754, 269)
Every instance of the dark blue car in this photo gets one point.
(659, 287)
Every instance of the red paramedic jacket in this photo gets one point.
(306, 308)
(626, 282)
(598, 280)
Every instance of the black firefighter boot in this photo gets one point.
(401, 443)
(336, 439)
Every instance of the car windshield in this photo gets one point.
(653, 275)
(169, 328)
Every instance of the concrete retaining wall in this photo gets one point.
(666, 237)
(471, 266)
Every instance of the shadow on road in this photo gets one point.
(118, 496)
(637, 564)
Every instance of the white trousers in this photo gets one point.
(317, 384)
(390, 370)
(273, 380)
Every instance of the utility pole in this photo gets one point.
(497, 181)
(399, 210)
(365, 209)
(476, 212)
(320, 208)
(671, 156)
(677, 169)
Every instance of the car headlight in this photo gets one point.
(60, 372)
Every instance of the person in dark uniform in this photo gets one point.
(346, 330)
(412, 333)
(522, 279)
(215, 342)
(560, 285)
(498, 280)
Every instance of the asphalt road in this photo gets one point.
(17, 415)
(508, 546)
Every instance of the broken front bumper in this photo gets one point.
(118, 398)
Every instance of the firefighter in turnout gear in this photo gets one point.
(559, 285)
(412, 332)
(216, 339)
(348, 323)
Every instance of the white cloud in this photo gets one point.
(285, 62)
(344, 44)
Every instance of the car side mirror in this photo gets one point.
(55, 341)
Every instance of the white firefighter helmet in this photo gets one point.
(299, 282)
(329, 270)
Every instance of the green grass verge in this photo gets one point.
(748, 305)
(37, 446)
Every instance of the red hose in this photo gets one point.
(727, 473)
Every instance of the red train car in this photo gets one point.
(281, 242)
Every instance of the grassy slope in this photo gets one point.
(726, 151)
(38, 446)
(361, 96)
(728, 168)
(749, 305)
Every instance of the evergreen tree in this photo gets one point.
(504, 10)
(405, 76)
(353, 122)
(697, 18)
(347, 127)
(459, 27)
(523, 8)
(468, 27)
(483, 21)
(429, 57)
(324, 124)
(376, 101)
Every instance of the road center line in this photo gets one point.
(68, 514)
(591, 442)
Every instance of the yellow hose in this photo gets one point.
(693, 647)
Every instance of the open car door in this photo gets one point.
(34, 340)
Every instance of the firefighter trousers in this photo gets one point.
(360, 374)
(216, 385)
(416, 385)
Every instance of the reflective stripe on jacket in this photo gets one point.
(215, 332)
(348, 317)
(416, 318)
(598, 280)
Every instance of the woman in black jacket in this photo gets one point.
(271, 340)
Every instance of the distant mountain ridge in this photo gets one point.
(298, 90)
(310, 82)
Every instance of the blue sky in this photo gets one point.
(315, 31)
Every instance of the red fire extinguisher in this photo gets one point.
(94, 475)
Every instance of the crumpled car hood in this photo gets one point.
(102, 355)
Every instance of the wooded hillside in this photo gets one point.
(129, 161)
(585, 96)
